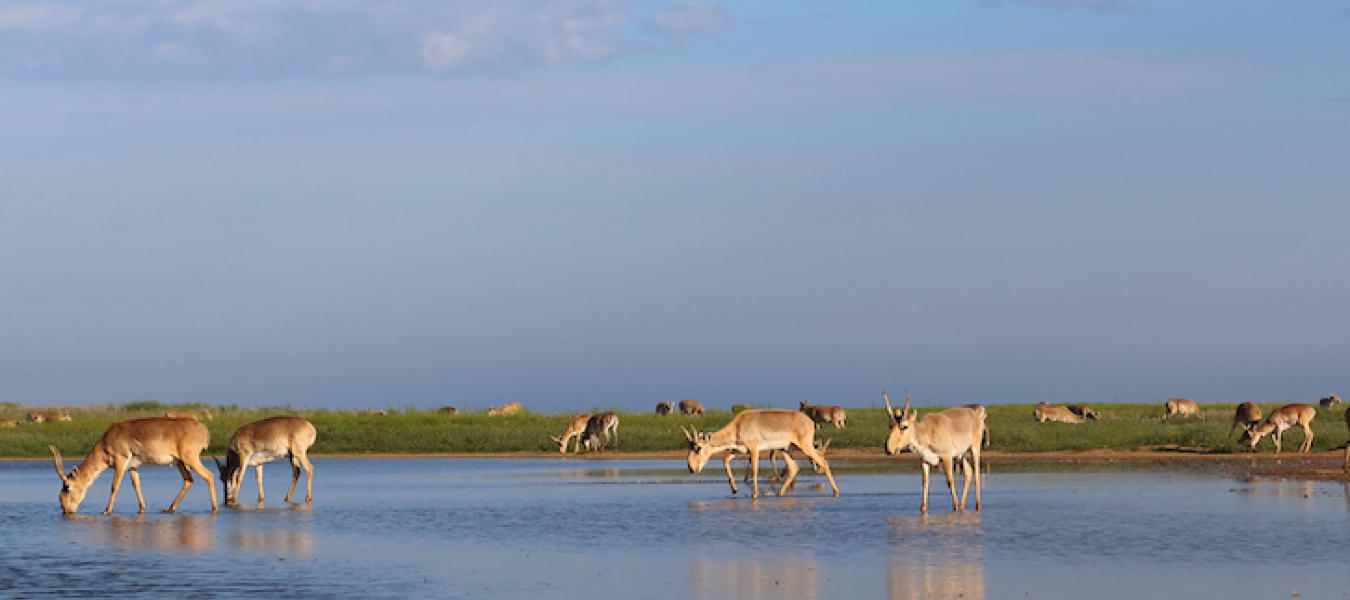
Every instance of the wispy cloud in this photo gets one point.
(271, 38)
(1102, 6)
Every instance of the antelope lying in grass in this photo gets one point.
(265, 441)
(753, 431)
(825, 414)
(664, 408)
(1184, 407)
(127, 445)
(1280, 419)
(575, 428)
(691, 408)
(1330, 401)
(1247, 416)
(510, 408)
(45, 416)
(7, 423)
(1045, 411)
(942, 436)
(605, 424)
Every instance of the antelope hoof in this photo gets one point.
(168, 511)
(106, 512)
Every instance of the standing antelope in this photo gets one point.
(604, 424)
(1247, 416)
(510, 408)
(774, 473)
(127, 445)
(1045, 411)
(691, 408)
(1330, 401)
(1281, 419)
(265, 441)
(1184, 407)
(753, 431)
(575, 427)
(664, 408)
(825, 414)
(942, 436)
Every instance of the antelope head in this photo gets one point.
(1253, 434)
(699, 449)
(227, 476)
(72, 489)
(902, 425)
(562, 447)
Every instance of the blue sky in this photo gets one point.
(603, 203)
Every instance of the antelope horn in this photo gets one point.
(906, 403)
(56, 461)
(890, 412)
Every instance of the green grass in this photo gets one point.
(1012, 429)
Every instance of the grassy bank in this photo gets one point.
(1122, 427)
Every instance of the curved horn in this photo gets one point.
(906, 403)
(56, 461)
(890, 412)
(687, 435)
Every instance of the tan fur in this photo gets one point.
(8, 423)
(1045, 411)
(739, 406)
(605, 424)
(510, 408)
(1247, 415)
(1278, 421)
(373, 412)
(834, 415)
(940, 437)
(691, 408)
(753, 431)
(127, 445)
(1184, 407)
(448, 410)
(60, 416)
(201, 415)
(264, 441)
(574, 429)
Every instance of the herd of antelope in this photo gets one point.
(940, 438)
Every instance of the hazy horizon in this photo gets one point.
(596, 203)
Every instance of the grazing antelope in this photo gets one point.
(1045, 411)
(739, 406)
(825, 414)
(510, 408)
(605, 424)
(942, 436)
(1084, 411)
(8, 423)
(1247, 416)
(575, 428)
(664, 408)
(691, 408)
(265, 441)
(448, 410)
(1184, 407)
(752, 431)
(127, 445)
(1281, 419)
(1330, 401)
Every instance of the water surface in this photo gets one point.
(513, 528)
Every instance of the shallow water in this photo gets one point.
(511, 528)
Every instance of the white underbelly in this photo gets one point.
(264, 456)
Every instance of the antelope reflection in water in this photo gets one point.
(289, 542)
(757, 576)
(936, 556)
(139, 532)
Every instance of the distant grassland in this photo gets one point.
(1012, 429)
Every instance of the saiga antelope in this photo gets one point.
(1330, 401)
(753, 431)
(1247, 416)
(1280, 419)
(264, 441)
(1045, 411)
(575, 428)
(939, 437)
(1084, 411)
(825, 414)
(605, 424)
(690, 408)
(8, 423)
(664, 408)
(510, 408)
(774, 473)
(1184, 407)
(127, 445)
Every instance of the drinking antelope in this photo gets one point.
(1281, 419)
(691, 408)
(127, 445)
(510, 408)
(604, 424)
(1045, 411)
(265, 441)
(664, 408)
(575, 428)
(752, 431)
(1330, 401)
(825, 414)
(942, 437)
(1184, 407)
(1247, 416)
